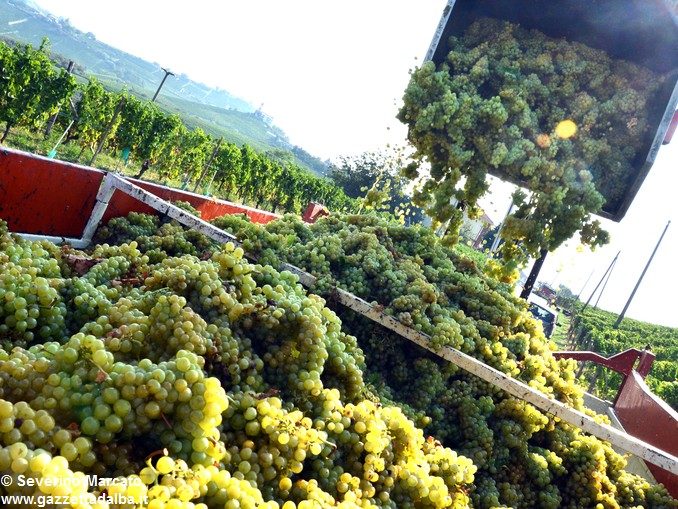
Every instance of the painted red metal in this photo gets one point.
(640, 412)
(621, 363)
(43, 196)
(647, 417)
(209, 208)
(314, 211)
(672, 129)
(50, 197)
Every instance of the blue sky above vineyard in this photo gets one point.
(331, 76)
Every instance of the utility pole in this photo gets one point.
(609, 274)
(575, 318)
(147, 163)
(585, 284)
(167, 73)
(640, 279)
(600, 282)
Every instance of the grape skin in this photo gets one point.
(208, 383)
(429, 287)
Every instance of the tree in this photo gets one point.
(565, 298)
(289, 191)
(280, 155)
(357, 174)
(195, 148)
(489, 237)
(249, 159)
(31, 89)
(136, 119)
(229, 167)
(375, 178)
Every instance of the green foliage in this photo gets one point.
(31, 88)
(213, 109)
(562, 119)
(136, 123)
(96, 109)
(355, 175)
(374, 179)
(194, 148)
(158, 135)
(195, 382)
(594, 330)
(565, 298)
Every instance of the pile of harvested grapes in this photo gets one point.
(566, 121)
(198, 382)
(197, 379)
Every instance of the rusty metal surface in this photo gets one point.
(649, 418)
(43, 196)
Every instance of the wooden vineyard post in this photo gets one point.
(532, 278)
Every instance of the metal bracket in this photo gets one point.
(622, 363)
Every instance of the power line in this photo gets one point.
(640, 279)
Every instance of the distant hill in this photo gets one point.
(215, 110)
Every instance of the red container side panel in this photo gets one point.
(209, 208)
(647, 417)
(49, 197)
(46, 197)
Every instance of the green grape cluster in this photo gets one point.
(431, 288)
(254, 395)
(201, 382)
(124, 229)
(31, 305)
(562, 119)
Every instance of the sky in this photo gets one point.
(320, 68)
(331, 74)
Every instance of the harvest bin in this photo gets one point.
(644, 32)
